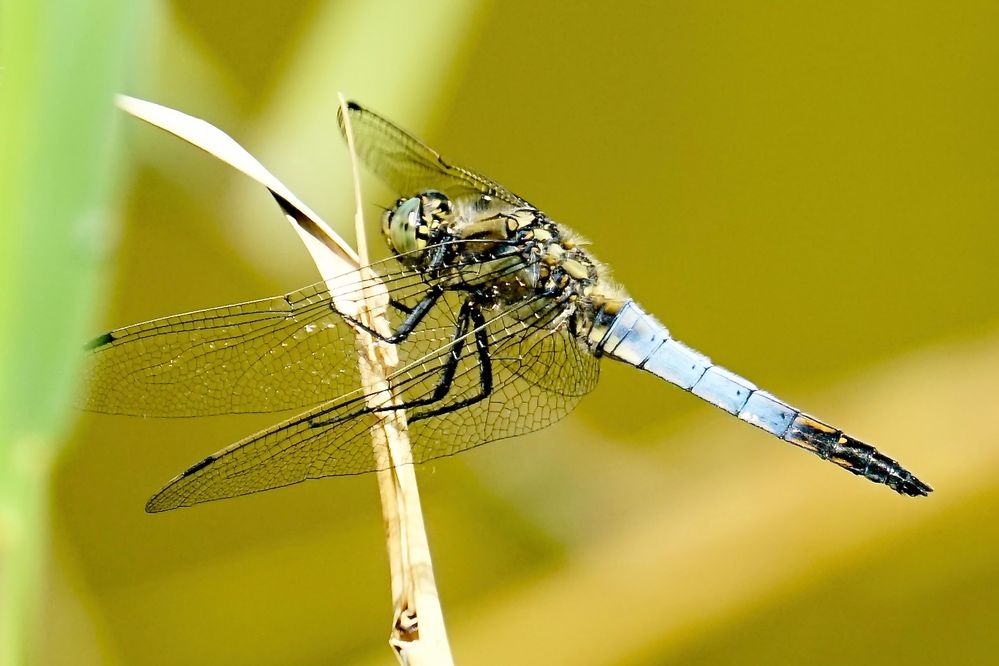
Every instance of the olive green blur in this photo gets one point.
(60, 63)
(806, 192)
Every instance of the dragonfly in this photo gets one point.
(500, 318)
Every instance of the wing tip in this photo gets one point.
(158, 503)
(99, 341)
(352, 106)
(163, 500)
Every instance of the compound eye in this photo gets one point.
(401, 225)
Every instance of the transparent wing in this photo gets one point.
(538, 375)
(266, 355)
(408, 165)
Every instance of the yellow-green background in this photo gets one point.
(807, 192)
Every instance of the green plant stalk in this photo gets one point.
(60, 64)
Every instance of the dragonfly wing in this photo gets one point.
(538, 375)
(408, 165)
(287, 453)
(266, 355)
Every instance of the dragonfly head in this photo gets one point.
(413, 222)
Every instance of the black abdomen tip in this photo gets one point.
(865, 460)
(853, 455)
(910, 485)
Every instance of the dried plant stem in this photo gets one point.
(418, 635)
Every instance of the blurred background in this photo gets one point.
(805, 192)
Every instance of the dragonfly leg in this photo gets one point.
(414, 316)
(444, 382)
(485, 372)
(401, 307)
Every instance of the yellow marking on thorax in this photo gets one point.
(495, 229)
(575, 269)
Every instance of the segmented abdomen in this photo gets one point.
(640, 340)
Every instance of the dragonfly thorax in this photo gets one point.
(501, 255)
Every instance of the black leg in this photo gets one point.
(401, 307)
(444, 381)
(414, 316)
(469, 312)
(485, 372)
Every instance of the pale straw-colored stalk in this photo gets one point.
(418, 635)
